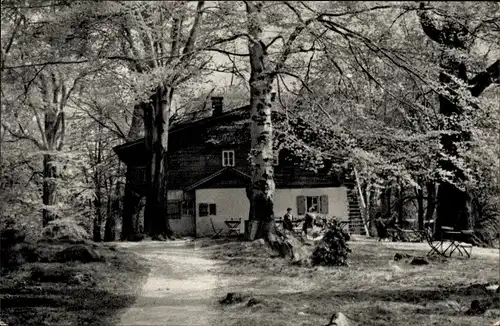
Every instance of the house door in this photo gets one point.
(189, 213)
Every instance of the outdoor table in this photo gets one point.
(455, 244)
(234, 227)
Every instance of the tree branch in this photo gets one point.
(289, 43)
(194, 29)
(22, 135)
(228, 52)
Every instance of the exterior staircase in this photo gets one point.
(356, 225)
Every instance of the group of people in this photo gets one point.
(308, 220)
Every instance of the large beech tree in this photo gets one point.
(454, 199)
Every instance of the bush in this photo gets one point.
(14, 251)
(333, 249)
(65, 230)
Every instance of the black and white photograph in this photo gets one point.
(250, 163)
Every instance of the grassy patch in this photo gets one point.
(373, 290)
(50, 293)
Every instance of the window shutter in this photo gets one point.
(212, 209)
(323, 204)
(301, 205)
(203, 210)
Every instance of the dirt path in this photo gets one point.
(180, 289)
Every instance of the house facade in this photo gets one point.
(208, 173)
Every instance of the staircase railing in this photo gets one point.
(362, 201)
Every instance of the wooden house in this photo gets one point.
(209, 171)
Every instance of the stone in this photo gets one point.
(449, 304)
(476, 289)
(232, 298)
(419, 261)
(81, 253)
(398, 256)
(492, 313)
(253, 302)
(339, 319)
(258, 243)
(476, 308)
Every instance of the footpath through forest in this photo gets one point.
(180, 288)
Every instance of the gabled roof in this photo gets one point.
(216, 174)
(140, 144)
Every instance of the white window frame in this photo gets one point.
(276, 158)
(228, 158)
(313, 199)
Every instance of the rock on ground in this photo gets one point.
(81, 253)
(449, 304)
(339, 319)
(232, 298)
(419, 261)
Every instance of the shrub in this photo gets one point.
(332, 249)
(65, 230)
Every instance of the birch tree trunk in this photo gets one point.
(261, 191)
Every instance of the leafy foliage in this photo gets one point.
(333, 248)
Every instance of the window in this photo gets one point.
(227, 158)
(173, 209)
(187, 208)
(276, 160)
(207, 209)
(305, 203)
(312, 202)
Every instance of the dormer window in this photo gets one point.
(276, 160)
(227, 158)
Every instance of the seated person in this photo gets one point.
(287, 220)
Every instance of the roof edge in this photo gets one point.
(214, 175)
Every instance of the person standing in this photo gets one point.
(308, 220)
(287, 220)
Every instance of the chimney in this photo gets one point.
(217, 105)
(273, 96)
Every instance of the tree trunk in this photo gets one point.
(388, 202)
(49, 189)
(420, 203)
(98, 201)
(400, 204)
(155, 218)
(130, 206)
(431, 200)
(114, 212)
(454, 208)
(261, 190)
(97, 229)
